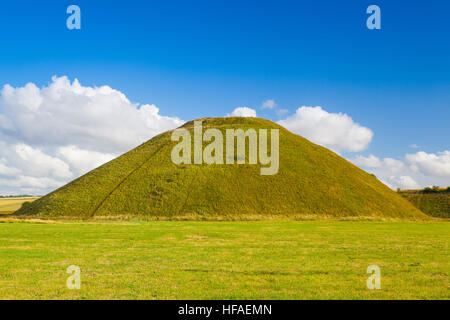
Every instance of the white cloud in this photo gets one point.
(366, 162)
(404, 182)
(21, 164)
(65, 113)
(43, 163)
(393, 165)
(269, 104)
(431, 164)
(8, 171)
(5, 123)
(242, 112)
(388, 184)
(415, 171)
(84, 160)
(52, 134)
(336, 131)
(30, 183)
(414, 146)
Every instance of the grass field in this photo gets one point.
(9, 205)
(225, 260)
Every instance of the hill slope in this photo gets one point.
(311, 181)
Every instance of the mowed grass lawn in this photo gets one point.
(225, 260)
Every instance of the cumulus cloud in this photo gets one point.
(242, 112)
(67, 113)
(41, 163)
(269, 104)
(52, 134)
(8, 171)
(336, 131)
(84, 160)
(417, 170)
(404, 182)
(393, 165)
(367, 162)
(27, 183)
(430, 163)
(372, 161)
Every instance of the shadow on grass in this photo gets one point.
(254, 273)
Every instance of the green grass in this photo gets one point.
(225, 260)
(311, 181)
(9, 205)
(433, 204)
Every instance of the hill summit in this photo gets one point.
(309, 181)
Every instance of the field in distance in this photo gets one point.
(227, 260)
(9, 205)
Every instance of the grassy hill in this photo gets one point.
(311, 182)
(436, 204)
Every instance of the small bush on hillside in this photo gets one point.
(427, 190)
(26, 204)
(434, 189)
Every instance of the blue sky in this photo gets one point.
(205, 58)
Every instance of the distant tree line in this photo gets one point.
(435, 189)
(17, 196)
(427, 190)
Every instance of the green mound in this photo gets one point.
(311, 182)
